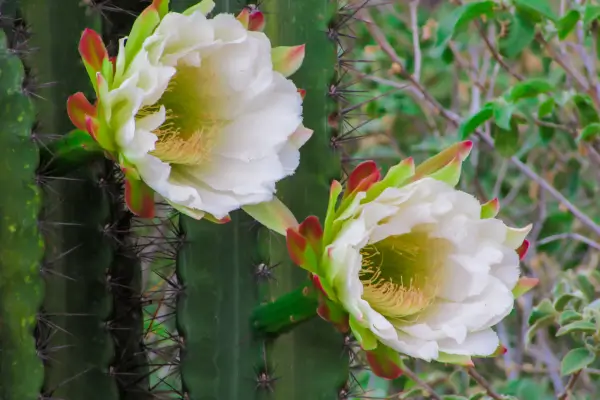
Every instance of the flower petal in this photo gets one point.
(78, 107)
(490, 209)
(244, 17)
(296, 245)
(524, 285)
(287, 59)
(440, 160)
(257, 21)
(482, 343)
(204, 7)
(516, 236)
(273, 214)
(395, 176)
(142, 28)
(139, 197)
(365, 175)
(384, 362)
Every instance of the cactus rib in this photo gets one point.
(21, 247)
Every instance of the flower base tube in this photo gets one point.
(68, 153)
(286, 312)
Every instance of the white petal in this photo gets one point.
(300, 136)
(373, 213)
(414, 347)
(353, 233)
(152, 121)
(156, 174)
(258, 133)
(507, 270)
(345, 264)
(228, 29)
(289, 156)
(482, 343)
(228, 174)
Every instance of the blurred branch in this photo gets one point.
(483, 383)
(571, 236)
(413, 6)
(414, 377)
(570, 385)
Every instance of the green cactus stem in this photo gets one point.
(215, 266)
(75, 329)
(310, 359)
(21, 247)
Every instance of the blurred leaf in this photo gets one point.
(475, 121)
(479, 396)
(460, 17)
(586, 287)
(566, 24)
(530, 390)
(546, 107)
(527, 389)
(562, 301)
(506, 141)
(459, 380)
(529, 88)
(539, 324)
(521, 33)
(538, 7)
(577, 327)
(547, 132)
(503, 113)
(576, 360)
(569, 316)
(453, 397)
(585, 107)
(591, 14)
(590, 132)
(542, 310)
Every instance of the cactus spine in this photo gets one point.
(21, 246)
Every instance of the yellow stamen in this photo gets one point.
(400, 274)
(191, 128)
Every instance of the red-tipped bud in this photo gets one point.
(92, 49)
(363, 177)
(257, 21)
(296, 245)
(78, 108)
(522, 250)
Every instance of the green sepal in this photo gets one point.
(363, 335)
(205, 7)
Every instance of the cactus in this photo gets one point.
(74, 330)
(90, 330)
(21, 287)
(214, 267)
(311, 360)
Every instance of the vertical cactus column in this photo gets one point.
(21, 247)
(74, 331)
(215, 269)
(311, 362)
(130, 365)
